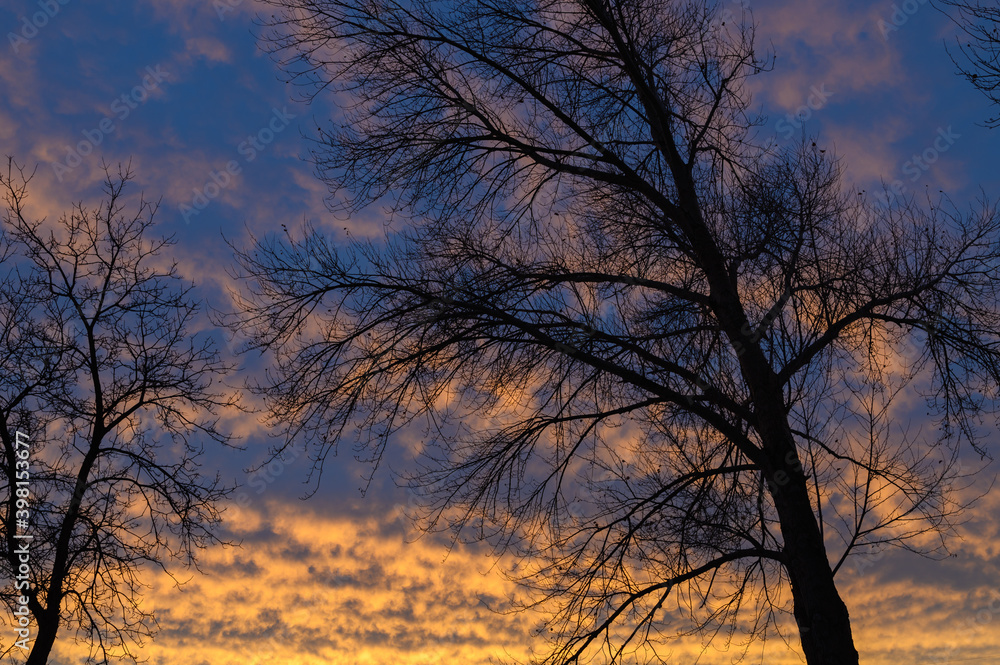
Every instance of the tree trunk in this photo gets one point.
(824, 623)
(45, 637)
(822, 616)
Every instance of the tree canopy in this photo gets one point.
(653, 353)
(106, 400)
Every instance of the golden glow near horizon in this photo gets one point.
(307, 588)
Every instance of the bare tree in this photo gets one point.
(105, 400)
(979, 48)
(653, 355)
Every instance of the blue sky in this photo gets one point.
(181, 89)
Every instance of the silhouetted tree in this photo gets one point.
(979, 46)
(655, 356)
(103, 379)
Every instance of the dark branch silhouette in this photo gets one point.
(978, 55)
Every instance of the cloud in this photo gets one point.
(207, 48)
(308, 587)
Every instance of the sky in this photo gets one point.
(181, 90)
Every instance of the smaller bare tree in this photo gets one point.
(99, 368)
